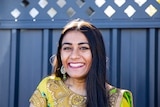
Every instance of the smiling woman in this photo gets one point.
(76, 55)
(79, 77)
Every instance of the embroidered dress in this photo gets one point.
(52, 92)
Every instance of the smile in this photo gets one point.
(76, 64)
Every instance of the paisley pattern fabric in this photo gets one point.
(120, 98)
(52, 92)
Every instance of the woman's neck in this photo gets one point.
(76, 85)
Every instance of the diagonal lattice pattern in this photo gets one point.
(99, 9)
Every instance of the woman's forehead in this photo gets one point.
(74, 37)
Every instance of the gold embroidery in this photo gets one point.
(77, 100)
(113, 96)
(58, 95)
(37, 100)
(63, 97)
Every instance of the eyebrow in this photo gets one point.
(66, 43)
(81, 43)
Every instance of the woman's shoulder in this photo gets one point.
(119, 97)
(48, 79)
(51, 77)
(41, 94)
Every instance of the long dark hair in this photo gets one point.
(97, 94)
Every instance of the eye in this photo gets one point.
(84, 48)
(67, 48)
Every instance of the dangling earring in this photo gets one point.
(63, 72)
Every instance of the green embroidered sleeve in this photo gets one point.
(120, 98)
(127, 100)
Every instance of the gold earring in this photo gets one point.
(63, 72)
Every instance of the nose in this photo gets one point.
(75, 54)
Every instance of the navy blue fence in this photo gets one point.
(29, 32)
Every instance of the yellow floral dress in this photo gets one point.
(52, 92)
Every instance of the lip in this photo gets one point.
(76, 64)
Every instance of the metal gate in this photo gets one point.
(30, 29)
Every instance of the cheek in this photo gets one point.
(64, 57)
(89, 58)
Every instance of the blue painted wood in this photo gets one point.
(157, 70)
(12, 68)
(4, 66)
(46, 52)
(113, 57)
(151, 67)
(30, 60)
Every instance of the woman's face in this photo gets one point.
(76, 54)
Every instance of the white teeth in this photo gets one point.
(76, 65)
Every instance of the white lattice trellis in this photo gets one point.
(53, 10)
